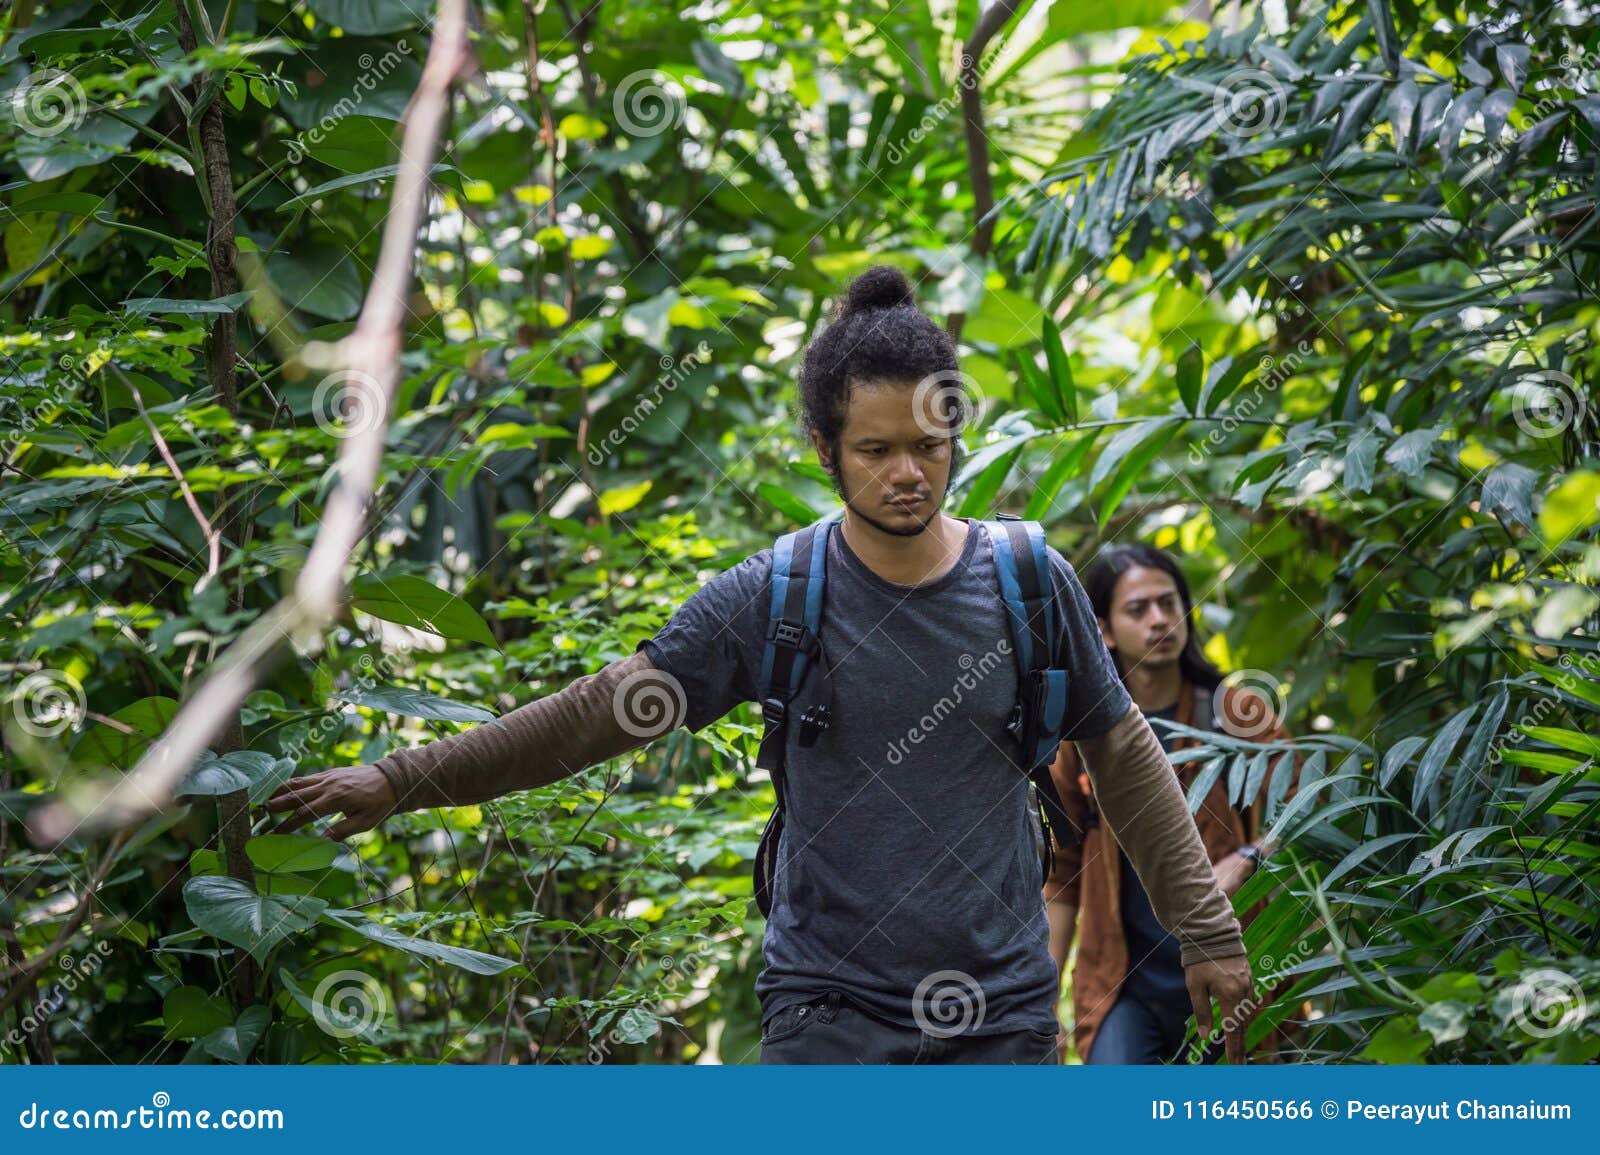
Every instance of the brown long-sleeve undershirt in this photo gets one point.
(1142, 803)
(617, 709)
(540, 743)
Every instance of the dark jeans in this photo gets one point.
(831, 1029)
(1137, 1032)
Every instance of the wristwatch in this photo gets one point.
(1253, 853)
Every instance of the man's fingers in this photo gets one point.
(352, 824)
(1234, 1040)
(295, 821)
(304, 809)
(292, 794)
(1200, 996)
(1233, 1027)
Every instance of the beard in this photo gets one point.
(912, 530)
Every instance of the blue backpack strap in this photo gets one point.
(794, 622)
(793, 642)
(1027, 587)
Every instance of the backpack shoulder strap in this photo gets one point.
(1027, 587)
(794, 620)
(791, 644)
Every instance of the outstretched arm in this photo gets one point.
(1143, 805)
(596, 717)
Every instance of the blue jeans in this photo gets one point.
(1135, 1032)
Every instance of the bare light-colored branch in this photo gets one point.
(370, 355)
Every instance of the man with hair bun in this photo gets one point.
(906, 923)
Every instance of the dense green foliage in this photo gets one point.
(1308, 302)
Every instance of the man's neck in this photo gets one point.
(1155, 687)
(907, 561)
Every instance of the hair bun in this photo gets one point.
(880, 287)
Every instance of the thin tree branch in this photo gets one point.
(370, 355)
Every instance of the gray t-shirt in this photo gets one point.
(908, 875)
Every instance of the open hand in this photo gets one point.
(361, 793)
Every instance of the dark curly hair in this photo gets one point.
(877, 334)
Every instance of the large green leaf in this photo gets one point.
(228, 909)
(254, 770)
(191, 1013)
(475, 961)
(1055, 355)
(414, 704)
(293, 852)
(1005, 318)
(411, 601)
(329, 74)
(236, 1043)
(322, 280)
(1104, 16)
(368, 17)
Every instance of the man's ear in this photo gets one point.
(821, 448)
